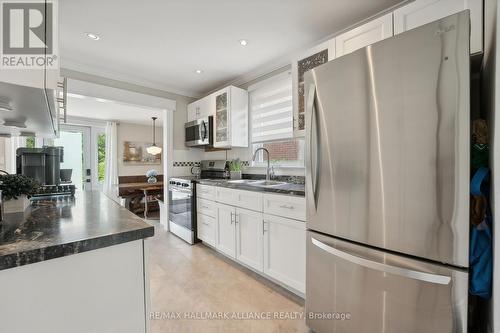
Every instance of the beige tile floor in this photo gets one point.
(196, 280)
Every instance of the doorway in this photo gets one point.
(76, 141)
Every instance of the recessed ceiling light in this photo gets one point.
(243, 42)
(92, 36)
(199, 71)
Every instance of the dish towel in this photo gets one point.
(480, 257)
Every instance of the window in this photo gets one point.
(101, 156)
(30, 142)
(271, 122)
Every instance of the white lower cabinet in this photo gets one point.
(273, 245)
(207, 229)
(225, 240)
(285, 251)
(249, 238)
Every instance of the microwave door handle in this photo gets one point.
(204, 136)
(311, 179)
(404, 272)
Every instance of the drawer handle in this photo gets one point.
(204, 207)
(205, 223)
(287, 206)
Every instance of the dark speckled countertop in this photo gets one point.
(287, 189)
(53, 229)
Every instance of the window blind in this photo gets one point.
(271, 113)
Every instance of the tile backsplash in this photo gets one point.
(186, 164)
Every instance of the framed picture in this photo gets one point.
(136, 153)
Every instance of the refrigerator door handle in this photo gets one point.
(407, 273)
(310, 183)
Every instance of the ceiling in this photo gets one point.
(106, 110)
(161, 43)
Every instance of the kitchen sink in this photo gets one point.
(267, 183)
(242, 181)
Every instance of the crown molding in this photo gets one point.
(73, 65)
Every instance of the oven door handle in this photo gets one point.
(180, 190)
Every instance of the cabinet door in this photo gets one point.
(238, 117)
(206, 107)
(285, 251)
(364, 35)
(249, 238)
(222, 119)
(225, 230)
(422, 12)
(192, 110)
(308, 60)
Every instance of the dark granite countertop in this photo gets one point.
(287, 189)
(53, 229)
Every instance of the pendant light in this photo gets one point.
(154, 149)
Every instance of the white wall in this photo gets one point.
(138, 133)
(3, 156)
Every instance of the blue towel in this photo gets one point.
(480, 256)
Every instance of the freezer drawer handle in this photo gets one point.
(408, 273)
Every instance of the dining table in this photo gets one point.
(149, 191)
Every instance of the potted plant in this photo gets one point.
(16, 190)
(235, 169)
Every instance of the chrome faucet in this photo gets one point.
(268, 167)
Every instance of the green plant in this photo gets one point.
(101, 156)
(235, 165)
(13, 186)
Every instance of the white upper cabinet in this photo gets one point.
(303, 62)
(231, 118)
(201, 108)
(364, 35)
(422, 12)
(192, 111)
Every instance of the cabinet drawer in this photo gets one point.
(206, 229)
(285, 205)
(240, 198)
(205, 207)
(205, 191)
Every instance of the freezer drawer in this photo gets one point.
(381, 292)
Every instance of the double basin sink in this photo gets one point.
(257, 183)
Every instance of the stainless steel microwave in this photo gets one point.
(199, 132)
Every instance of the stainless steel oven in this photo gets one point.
(182, 209)
(199, 132)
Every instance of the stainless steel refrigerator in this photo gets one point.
(387, 184)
